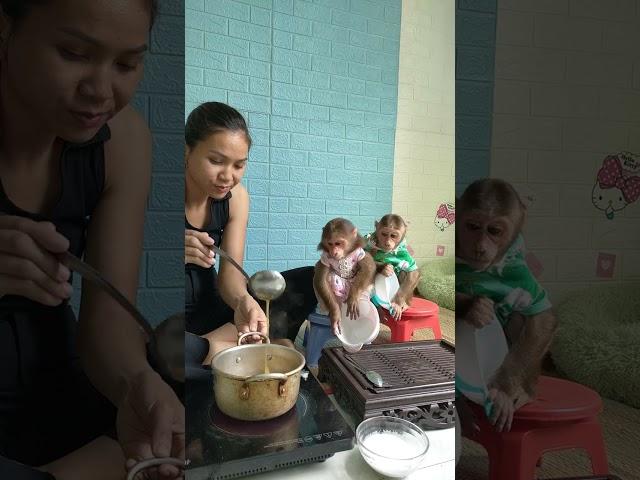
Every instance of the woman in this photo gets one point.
(216, 213)
(75, 173)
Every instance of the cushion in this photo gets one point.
(598, 340)
(437, 282)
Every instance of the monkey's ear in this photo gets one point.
(376, 223)
(354, 233)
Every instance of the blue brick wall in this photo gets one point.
(317, 81)
(475, 58)
(161, 97)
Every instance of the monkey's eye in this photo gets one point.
(494, 231)
(600, 197)
(473, 226)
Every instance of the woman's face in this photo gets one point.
(216, 164)
(74, 64)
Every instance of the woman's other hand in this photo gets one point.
(28, 263)
(150, 424)
(249, 317)
(197, 248)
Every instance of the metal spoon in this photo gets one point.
(266, 284)
(371, 375)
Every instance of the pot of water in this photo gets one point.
(256, 381)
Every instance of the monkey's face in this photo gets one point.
(337, 246)
(388, 238)
(483, 239)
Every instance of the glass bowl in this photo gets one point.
(392, 446)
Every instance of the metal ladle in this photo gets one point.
(266, 284)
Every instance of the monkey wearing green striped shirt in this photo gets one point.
(493, 280)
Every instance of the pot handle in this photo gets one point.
(245, 335)
(267, 376)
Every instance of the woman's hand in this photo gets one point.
(249, 317)
(28, 263)
(150, 424)
(197, 248)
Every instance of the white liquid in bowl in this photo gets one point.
(393, 445)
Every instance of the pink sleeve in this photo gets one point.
(360, 255)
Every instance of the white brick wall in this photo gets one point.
(424, 166)
(567, 93)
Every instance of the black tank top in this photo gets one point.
(205, 309)
(32, 334)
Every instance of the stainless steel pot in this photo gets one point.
(244, 391)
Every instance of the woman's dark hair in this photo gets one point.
(18, 9)
(212, 117)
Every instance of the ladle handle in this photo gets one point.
(92, 275)
(224, 254)
(355, 365)
(89, 273)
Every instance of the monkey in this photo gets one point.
(492, 279)
(388, 247)
(344, 273)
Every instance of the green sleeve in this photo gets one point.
(405, 256)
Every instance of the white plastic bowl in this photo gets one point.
(392, 446)
(479, 354)
(356, 332)
(385, 288)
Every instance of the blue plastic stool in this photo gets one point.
(318, 333)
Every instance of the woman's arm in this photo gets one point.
(111, 345)
(233, 285)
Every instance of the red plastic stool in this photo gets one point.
(564, 415)
(420, 314)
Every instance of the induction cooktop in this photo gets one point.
(220, 447)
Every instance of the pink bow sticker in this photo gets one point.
(610, 176)
(448, 211)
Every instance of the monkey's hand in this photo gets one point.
(353, 310)
(387, 270)
(480, 312)
(397, 310)
(502, 411)
(334, 316)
